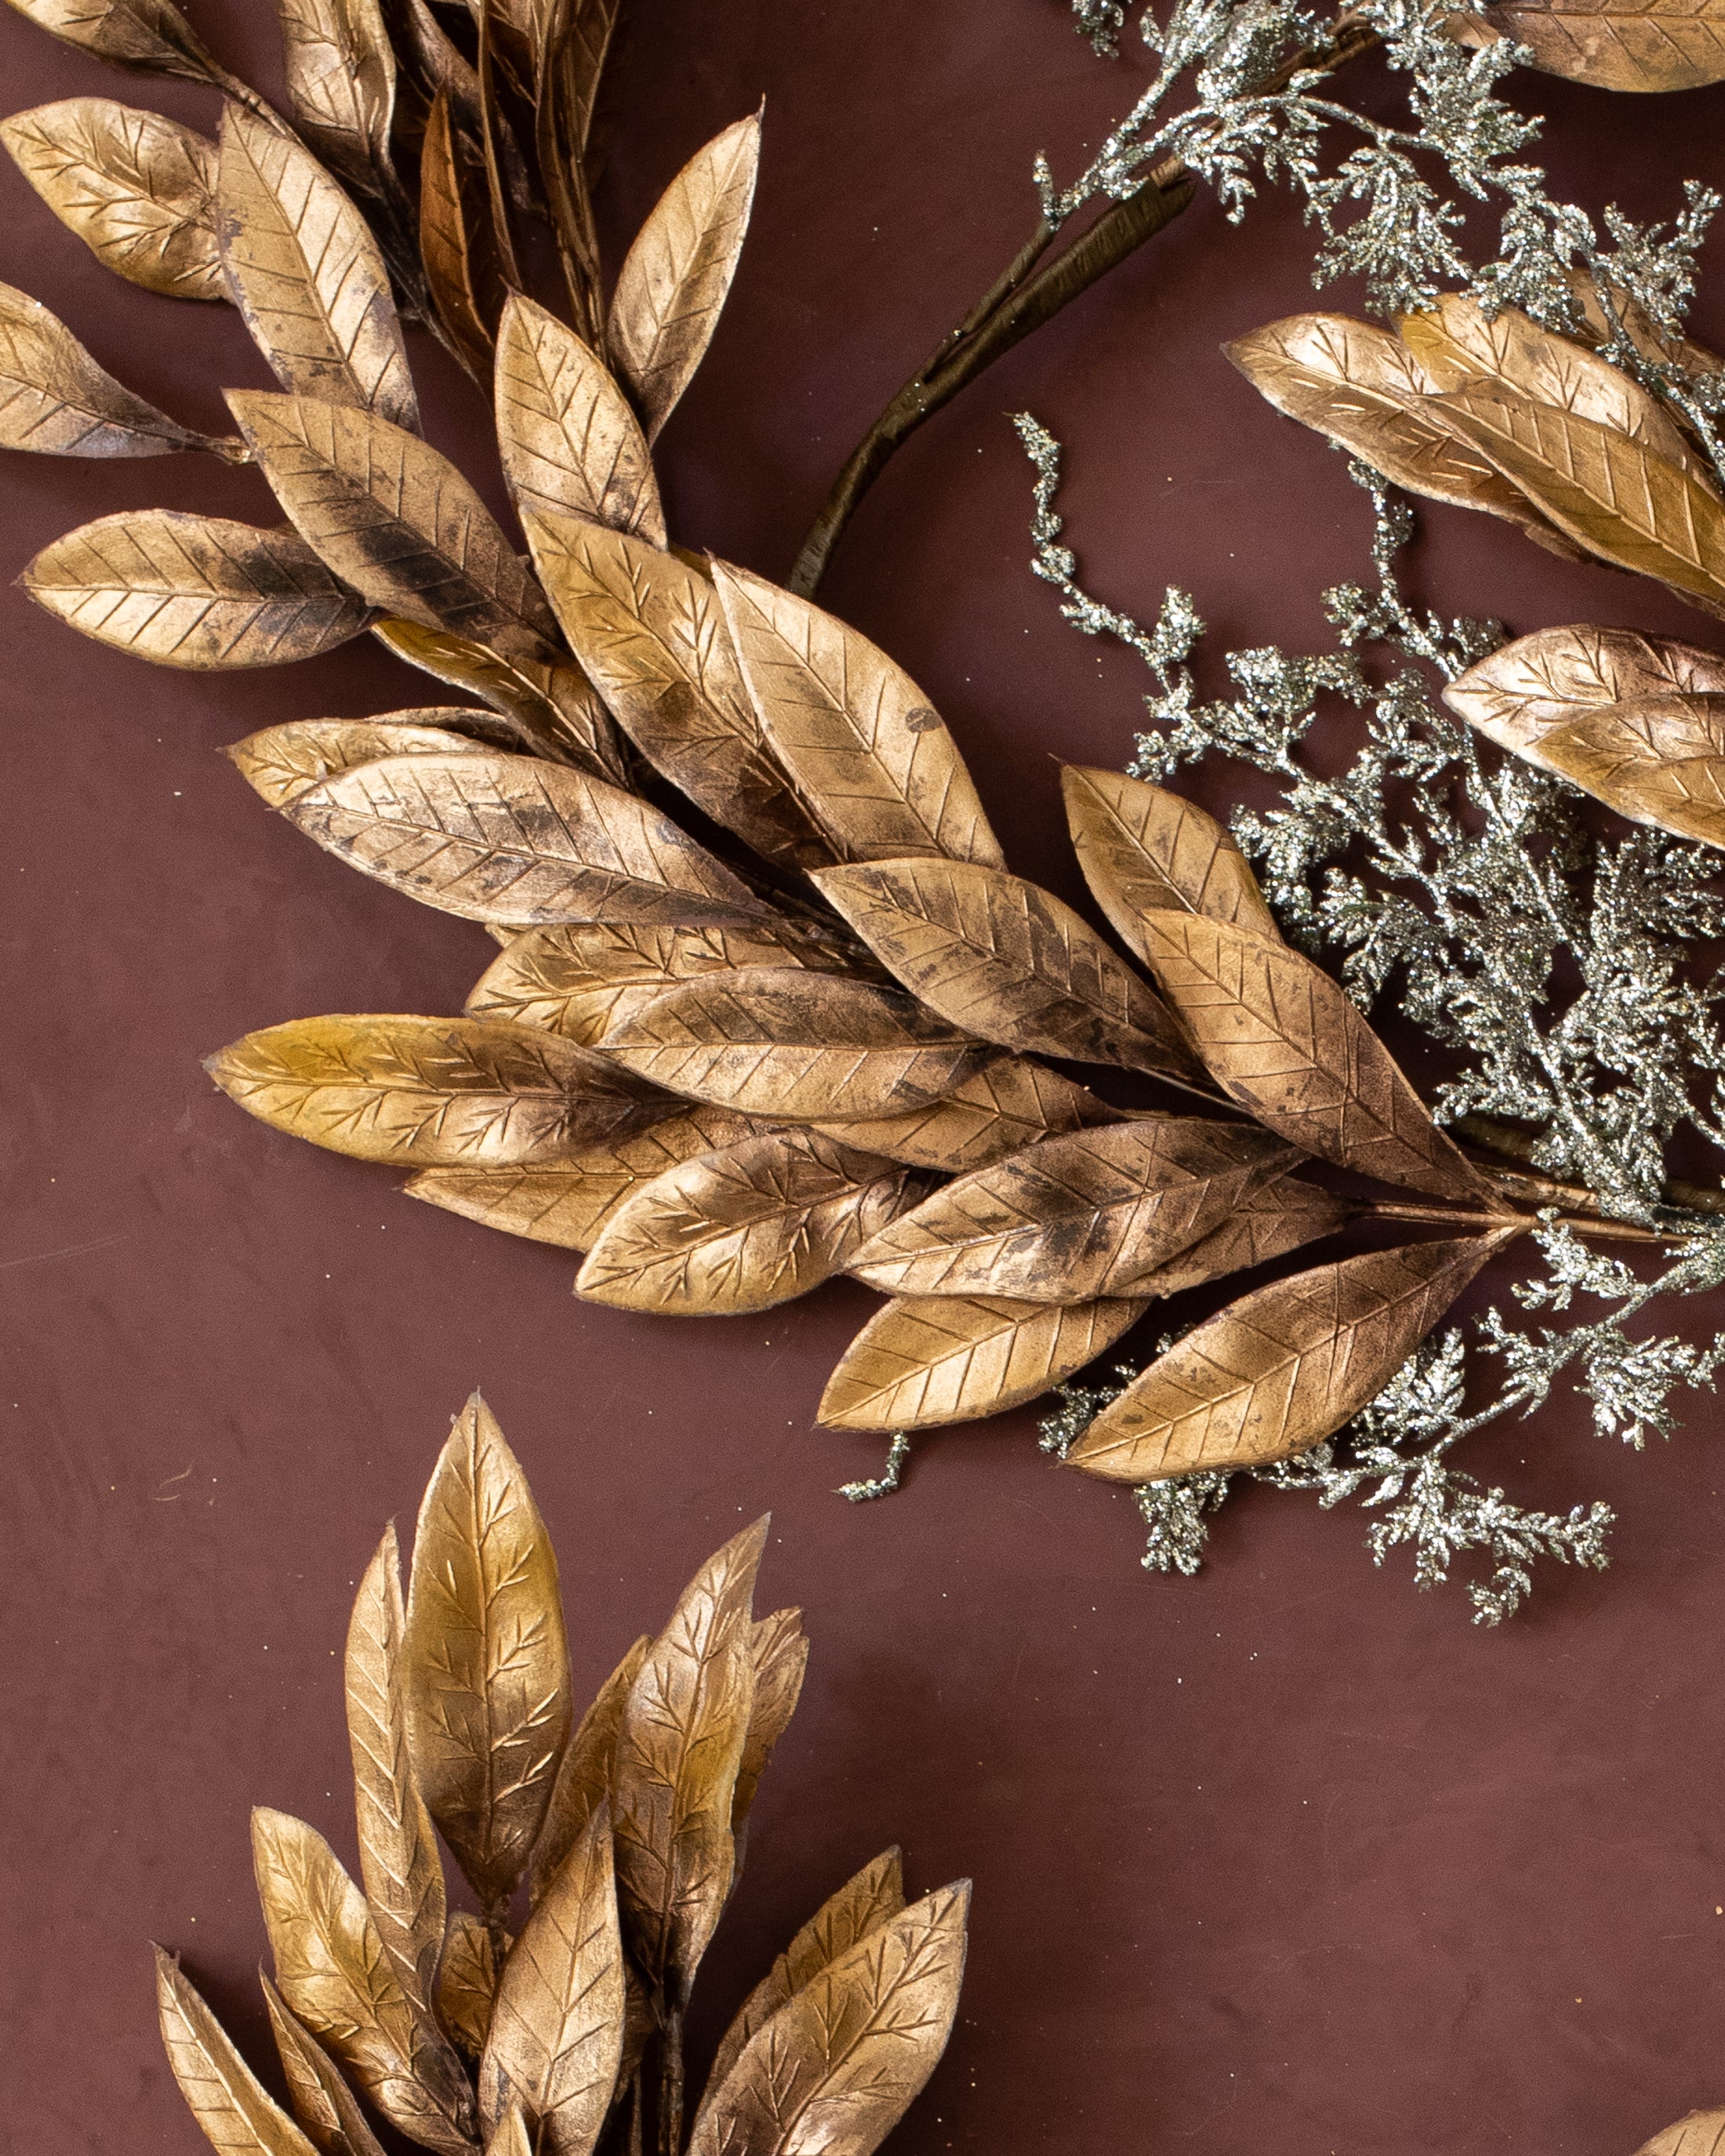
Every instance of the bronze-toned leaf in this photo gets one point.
(511, 838)
(678, 271)
(467, 1983)
(486, 1669)
(583, 1781)
(1267, 1224)
(1698, 2133)
(584, 980)
(197, 592)
(874, 1897)
(872, 757)
(779, 1647)
(742, 1230)
(138, 190)
(556, 708)
(678, 1752)
(226, 2098)
(1282, 1039)
(842, 2061)
(56, 401)
(451, 249)
(1008, 1103)
(1283, 1367)
(332, 1970)
(649, 633)
(340, 79)
(1619, 44)
(324, 2104)
(283, 761)
(144, 37)
(772, 1041)
(431, 1091)
(1659, 762)
(571, 446)
(1526, 688)
(1143, 848)
(556, 2028)
(925, 1360)
(1008, 960)
(509, 2135)
(1077, 1217)
(567, 1200)
(307, 275)
(396, 521)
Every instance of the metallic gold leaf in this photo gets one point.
(333, 1971)
(1284, 1041)
(433, 1091)
(144, 37)
(584, 980)
(838, 2065)
(283, 761)
(467, 1983)
(396, 521)
(583, 1781)
(1523, 690)
(771, 1041)
(1620, 44)
(509, 2135)
(872, 757)
(925, 1360)
(742, 1230)
(512, 839)
(567, 1200)
(678, 271)
(1699, 2133)
(1283, 1367)
(1266, 1223)
(571, 446)
(556, 2028)
(1659, 762)
(1078, 1217)
(137, 189)
(226, 2098)
(307, 275)
(778, 1647)
(197, 592)
(340, 79)
(649, 633)
(1143, 848)
(56, 401)
(486, 1669)
(1008, 1103)
(1007, 960)
(556, 708)
(677, 1751)
(450, 249)
(324, 2104)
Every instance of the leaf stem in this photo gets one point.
(670, 2083)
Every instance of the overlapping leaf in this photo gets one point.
(467, 1983)
(1522, 690)
(340, 77)
(227, 2099)
(1143, 849)
(582, 1787)
(570, 444)
(1010, 1102)
(321, 2098)
(1619, 44)
(778, 1651)
(145, 36)
(1267, 1222)
(554, 708)
(1660, 761)
(56, 401)
(283, 761)
(452, 248)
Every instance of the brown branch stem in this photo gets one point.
(670, 2083)
(1509, 1143)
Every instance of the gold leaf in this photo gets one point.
(1283, 1367)
(1698, 2133)
(340, 79)
(583, 1781)
(584, 980)
(333, 1971)
(567, 1201)
(1005, 959)
(396, 521)
(1523, 690)
(1266, 1223)
(1010, 1102)
(837, 2066)
(484, 1662)
(227, 2099)
(511, 838)
(197, 592)
(870, 756)
(742, 1230)
(555, 707)
(1078, 1217)
(1620, 44)
(778, 1647)
(556, 2028)
(677, 272)
(283, 761)
(57, 402)
(435, 1092)
(137, 189)
(1143, 848)
(467, 1983)
(1285, 1042)
(1659, 762)
(648, 631)
(325, 2105)
(925, 1360)
(678, 1752)
(510, 2137)
(570, 444)
(144, 37)
(450, 248)
(771, 1041)
(307, 275)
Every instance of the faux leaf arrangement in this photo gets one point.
(601, 1851)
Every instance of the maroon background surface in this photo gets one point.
(1283, 1857)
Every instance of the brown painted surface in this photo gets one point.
(1282, 1857)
